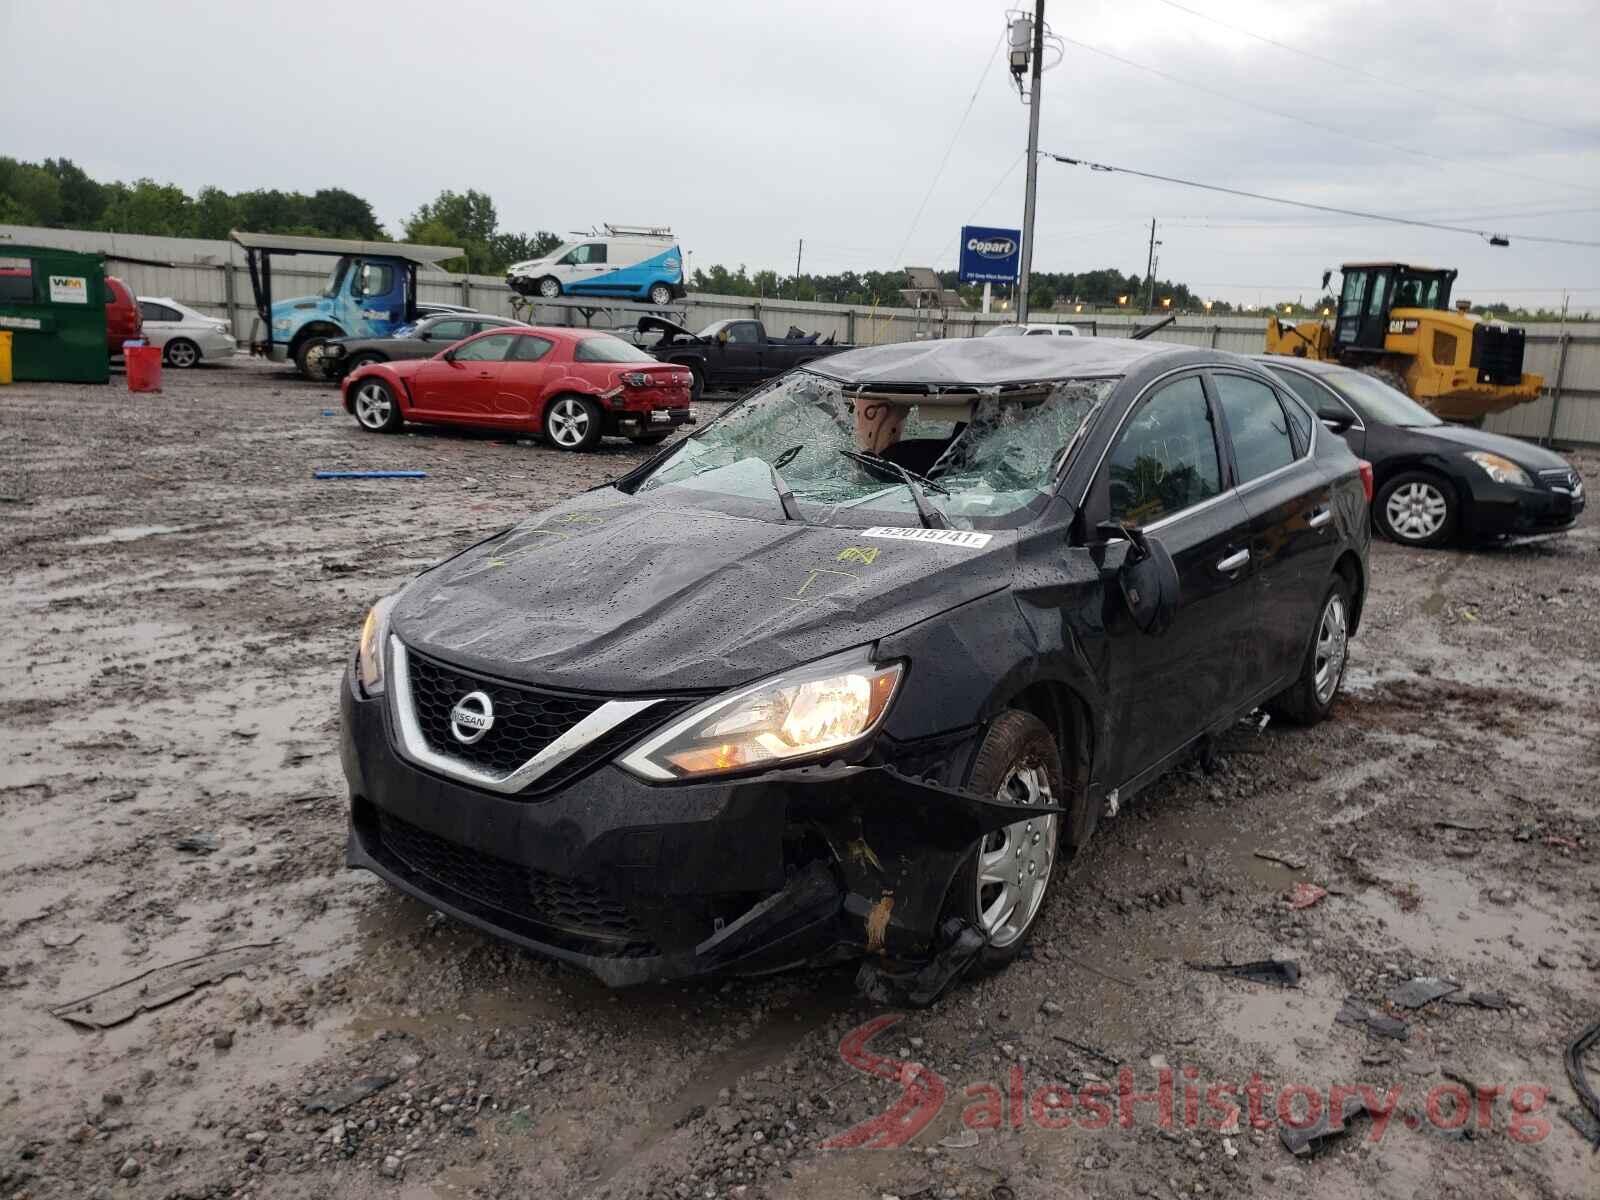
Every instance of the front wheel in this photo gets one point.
(550, 287)
(660, 295)
(574, 423)
(182, 354)
(1001, 887)
(308, 356)
(1310, 699)
(1417, 508)
(375, 408)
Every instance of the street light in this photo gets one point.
(1166, 302)
(1122, 299)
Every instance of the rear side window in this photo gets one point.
(1257, 425)
(1300, 422)
(528, 348)
(1166, 459)
(1040, 332)
(158, 312)
(607, 349)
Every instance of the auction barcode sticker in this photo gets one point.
(940, 537)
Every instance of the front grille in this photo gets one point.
(526, 720)
(1561, 477)
(566, 906)
(1497, 354)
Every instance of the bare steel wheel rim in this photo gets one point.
(1333, 641)
(373, 406)
(549, 289)
(182, 354)
(1014, 863)
(569, 422)
(1416, 510)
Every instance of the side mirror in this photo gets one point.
(1336, 419)
(1147, 579)
(424, 336)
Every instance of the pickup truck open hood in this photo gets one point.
(624, 595)
(664, 326)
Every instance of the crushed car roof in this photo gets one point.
(989, 362)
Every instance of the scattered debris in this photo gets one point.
(965, 1140)
(1354, 1012)
(1424, 989)
(342, 1098)
(1564, 843)
(1292, 861)
(1494, 1000)
(1284, 973)
(1463, 826)
(369, 474)
(1314, 1138)
(1082, 1048)
(199, 843)
(1304, 895)
(1580, 1082)
(160, 985)
(60, 941)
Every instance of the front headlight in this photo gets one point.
(369, 655)
(1501, 470)
(282, 324)
(801, 713)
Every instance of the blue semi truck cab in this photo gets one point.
(370, 291)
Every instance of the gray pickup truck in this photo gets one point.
(736, 353)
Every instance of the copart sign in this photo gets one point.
(989, 255)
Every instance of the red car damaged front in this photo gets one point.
(572, 386)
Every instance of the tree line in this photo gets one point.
(59, 194)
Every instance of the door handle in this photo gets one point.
(1233, 562)
(1320, 518)
(483, 374)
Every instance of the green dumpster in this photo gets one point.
(53, 303)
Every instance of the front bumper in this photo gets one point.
(1503, 510)
(636, 882)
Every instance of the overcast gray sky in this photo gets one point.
(749, 125)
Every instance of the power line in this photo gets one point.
(1409, 151)
(960, 125)
(1455, 101)
(1328, 208)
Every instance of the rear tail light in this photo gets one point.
(640, 379)
(1366, 478)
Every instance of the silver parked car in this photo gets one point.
(184, 335)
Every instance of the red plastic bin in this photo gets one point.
(143, 365)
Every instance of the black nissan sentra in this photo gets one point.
(854, 668)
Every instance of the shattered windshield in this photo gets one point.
(979, 456)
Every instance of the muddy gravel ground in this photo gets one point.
(178, 603)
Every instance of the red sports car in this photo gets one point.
(574, 386)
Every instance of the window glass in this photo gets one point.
(450, 331)
(999, 458)
(530, 349)
(16, 281)
(1166, 459)
(374, 279)
(492, 348)
(1350, 297)
(1300, 422)
(1376, 401)
(586, 254)
(1040, 332)
(742, 333)
(152, 311)
(1375, 296)
(1309, 390)
(608, 349)
(1257, 425)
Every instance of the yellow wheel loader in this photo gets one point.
(1394, 320)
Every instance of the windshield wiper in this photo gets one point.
(791, 508)
(930, 516)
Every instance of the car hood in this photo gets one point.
(666, 327)
(1524, 454)
(613, 593)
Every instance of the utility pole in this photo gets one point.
(1150, 271)
(798, 250)
(1033, 161)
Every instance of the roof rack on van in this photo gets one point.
(661, 231)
